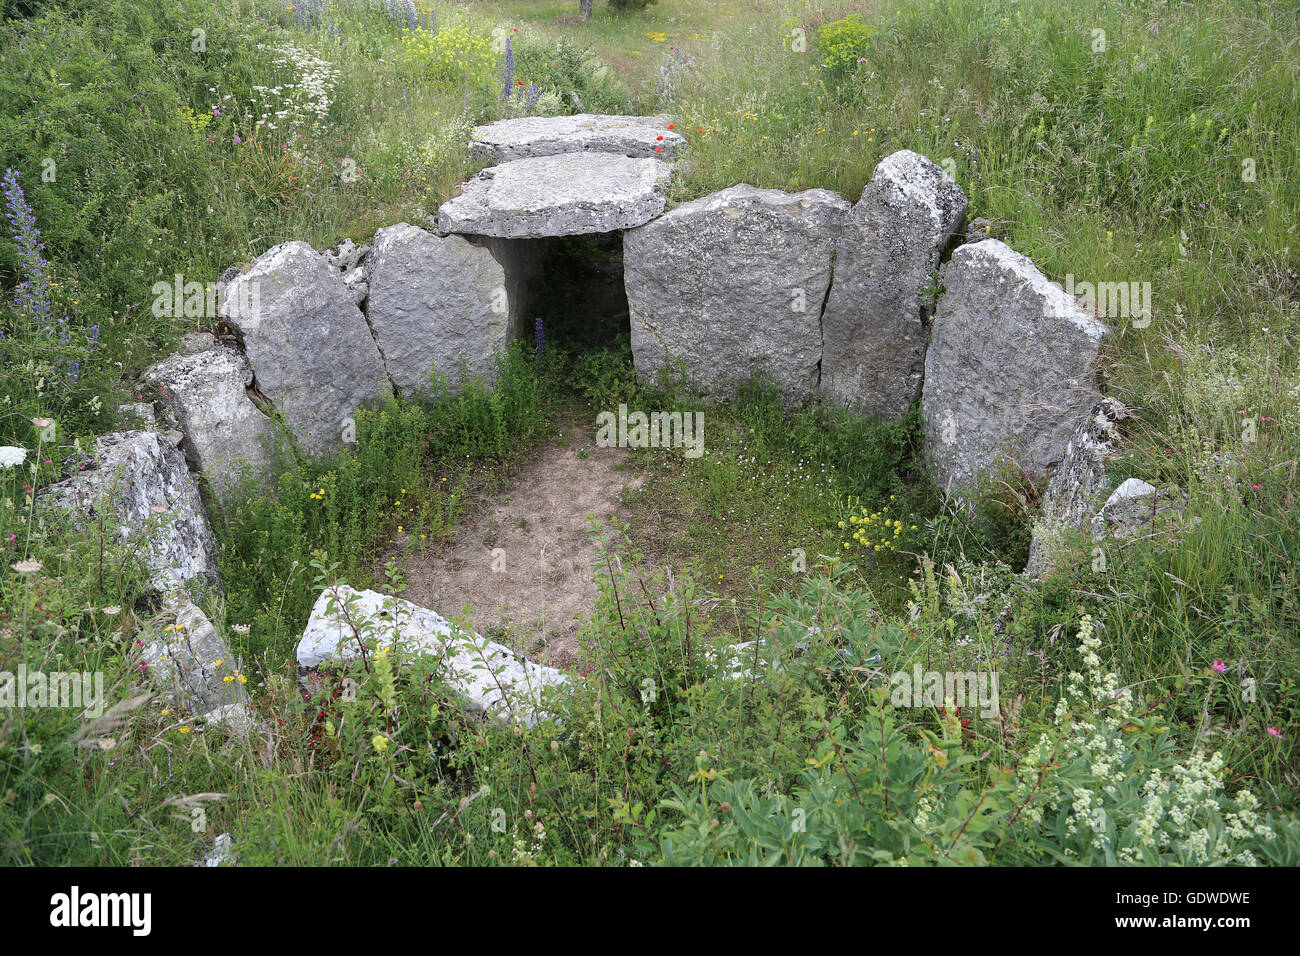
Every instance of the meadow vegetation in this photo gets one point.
(1148, 707)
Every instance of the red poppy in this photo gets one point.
(659, 149)
(658, 137)
(672, 125)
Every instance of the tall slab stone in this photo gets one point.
(874, 325)
(311, 351)
(1010, 370)
(732, 284)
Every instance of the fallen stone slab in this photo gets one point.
(138, 482)
(309, 345)
(1070, 500)
(874, 328)
(563, 195)
(193, 666)
(436, 303)
(1010, 370)
(205, 395)
(488, 678)
(733, 284)
(644, 137)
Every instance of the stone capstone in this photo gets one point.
(644, 137)
(562, 195)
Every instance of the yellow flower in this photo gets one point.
(380, 743)
(184, 730)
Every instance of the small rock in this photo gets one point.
(190, 663)
(1136, 507)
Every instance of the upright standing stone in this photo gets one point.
(205, 395)
(435, 304)
(874, 325)
(310, 348)
(1010, 368)
(733, 284)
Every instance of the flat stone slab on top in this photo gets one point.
(642, 137)
(564, 195)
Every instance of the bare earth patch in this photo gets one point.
(525, 563)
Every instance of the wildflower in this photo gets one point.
(11, 456)
(30, 566)
(379, 742)
(1275, 731)
(1219, 666)
(112, 610)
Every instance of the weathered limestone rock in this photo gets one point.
(874, 325)
(1071, 497)
(529, 136)
(488, 678)
(308, 343)
(349, 260)
(733, 284)
(190, 664)
(1010, 367)
(205, 395)
(562, 195)
(141, 486)
(1136, 507)
(435, 303)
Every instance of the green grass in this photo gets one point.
(1130, 163)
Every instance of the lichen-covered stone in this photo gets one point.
(1010, 369)
(732, 284)
(486, 677)
(563, 195)
(874, 324)
(309, 346)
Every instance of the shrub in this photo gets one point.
(843, 42)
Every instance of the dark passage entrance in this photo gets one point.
(579, 294)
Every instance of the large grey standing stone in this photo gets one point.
(1072, 494)
(528, 136)
(874, 325)
(139, 484)
(1009, 371)
(487, 678)
(435, 303)
(732, 284)
(205, 395)
(563, 195)
(310, 348)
